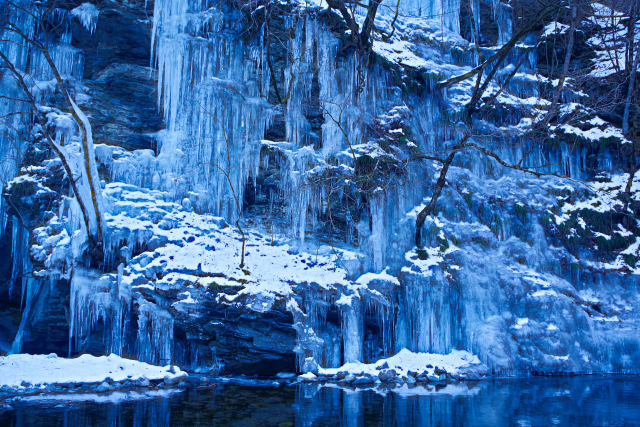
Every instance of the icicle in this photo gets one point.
(19, 255)
(444, 12)
(502, 15)
(352, 330)
(425, 321)
(212, 89)
(95, 300)
(155, 334)
(12, 121)
(87, 14)
(31, 291)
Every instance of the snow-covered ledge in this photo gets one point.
(27, 373)
(404, 367)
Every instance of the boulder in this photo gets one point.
(364, 381)
(387, 375)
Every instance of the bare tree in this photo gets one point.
(86, 187)
(360, 36)
(484, 74)
(494, 63)
(226, 171)
(528, 18)
(553, 109)
(632, 53)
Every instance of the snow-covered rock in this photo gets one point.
(408, 367)
(23, 372)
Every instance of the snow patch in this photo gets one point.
(383, 276)
(406, 361)
(20, 370)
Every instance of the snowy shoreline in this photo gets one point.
(113, 379)
(405, 367)
(30, 374)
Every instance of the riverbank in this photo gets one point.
(405, 367)
(37, 374)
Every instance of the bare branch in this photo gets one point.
(43, 122)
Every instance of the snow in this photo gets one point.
(455, 362)
(268, 269)
(370, 149)
(520, 322)
(17, 369)
(611, 29)
(203, 249)
(607, 319)
(594, 133)
(605, 194)
(434, 257)
(383, 276)
(345, 300)
(634, 249)
(400, 52)
(554, 28)
(544, 293)
(187, 299)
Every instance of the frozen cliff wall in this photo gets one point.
(328, 152)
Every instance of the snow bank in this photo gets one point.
(383, 276)
(407, 364)
(21, 370)
(554, 28)
(203, 250)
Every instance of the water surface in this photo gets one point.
(598, 401)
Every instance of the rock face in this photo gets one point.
(236, 341)
(120, 83)
(121, 103)
(203, 113)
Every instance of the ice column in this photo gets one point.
(352, 330)
(212, 88)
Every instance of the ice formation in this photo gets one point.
(318, 153)
(87, 14)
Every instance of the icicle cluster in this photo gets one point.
(212, 89)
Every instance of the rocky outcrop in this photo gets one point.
(119, 80)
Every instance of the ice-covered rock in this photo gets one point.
(529, 274)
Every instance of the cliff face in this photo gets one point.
(207, 115)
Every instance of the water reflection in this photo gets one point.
(537, 401)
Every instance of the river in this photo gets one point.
(587, 400)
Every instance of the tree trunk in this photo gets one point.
(91, 179)
(632, 64)
(553, 109)
(442, 180)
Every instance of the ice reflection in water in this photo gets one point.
(536, 401)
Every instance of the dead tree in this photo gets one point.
(360, 36)
(553, 109)
(86, 187)
(494, 63)
(464, 144)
